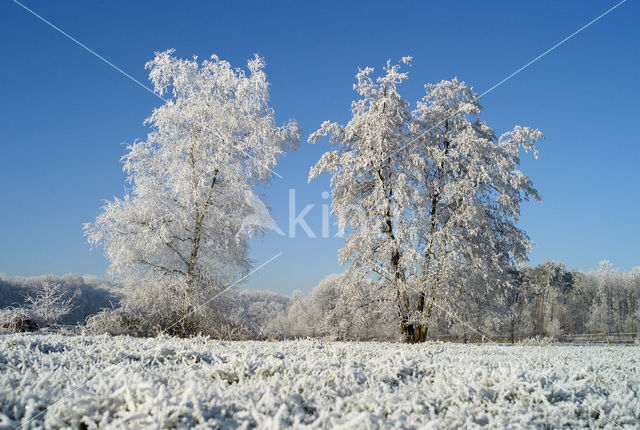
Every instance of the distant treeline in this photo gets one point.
(90, 293)
(543, 301)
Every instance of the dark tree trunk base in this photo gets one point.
(414, 333)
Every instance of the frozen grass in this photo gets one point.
(120, 382)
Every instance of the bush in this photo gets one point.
(50, 302)
(144, 324)
(120, 322)
(17, 320)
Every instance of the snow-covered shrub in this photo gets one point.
(362, 311)
(554, 329)
(120, 322)
(261, 314)
(155, 305)
(136, 317)
(339, 307)
(16, 319)
(50, 303)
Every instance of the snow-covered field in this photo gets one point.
(121, 382)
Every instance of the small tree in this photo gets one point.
(50, 303)
(181, 232)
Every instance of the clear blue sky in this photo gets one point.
(64, 113)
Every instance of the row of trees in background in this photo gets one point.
(553, 301)
(543, 301)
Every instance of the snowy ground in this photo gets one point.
(121, 382)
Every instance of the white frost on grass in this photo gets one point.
(123, 382)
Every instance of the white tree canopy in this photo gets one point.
(192, 180)
(428, 196)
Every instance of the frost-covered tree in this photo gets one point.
(429, 196)
(582, 297)
(633, 299)
(516, 299)
(180, 232)
(50, 302)
(601, 318)
(471, 192)
(614, 307)
(371, 186)
(548, 286)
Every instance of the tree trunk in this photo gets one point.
(408, 330)
(417, 332)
